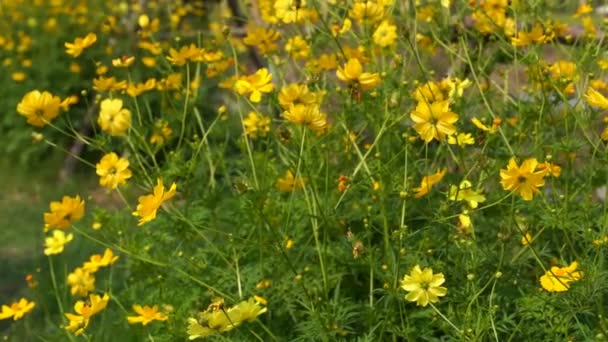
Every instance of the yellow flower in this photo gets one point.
(352, 73)
(55, 243)
(526, 239)
(483, 127)
(39, 108)
(146, 315)
(385, 34)
(149, 204)
(113, 118)
(337, 30)
(185, 54)
(262, 38)
(123, 62)
(423, 286)
(247, 310)
(162, 132)
(558, 279)
(289, 183)
(524, 180)
(309, 116)
(596, 99)
(256, 84)
(366, 11)
(63, 213)
(535, 36)
(108, 84)
(81, 282)
(98, 261)
(75, 49)
(434, 120)
(256, 125)
(461, 139)
(17, 309)
(297, 48)
(291, 11)
(136, 89)
(428, 92)
(427, 183)
(464, 192)
(113, 171)
(84, 311)
(298, 94)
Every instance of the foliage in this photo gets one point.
(333, 170)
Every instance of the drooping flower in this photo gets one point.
(112, 170)
(17, 310)
(113, 118)
(146, 314)
(149, 204)
(524, 180)
(64, 213)
(81, 282)
(55, 244)
(98, 261)
(353, 74)
(434, 120)
(309, 116)
(39, 108)
(255, 84)
(427, 183)
(466, 193)
(558, 279)
(423, 286)
(84, 311)
(75, 49)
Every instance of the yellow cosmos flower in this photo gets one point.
(17, 310)
(147, 315)
(256, 84)
(295, 93)
(113, 118)
(81, 282)
(63, 213)
(464, 192)
(123, 62)
(558, 279)
(185, 54)
(352, 73)
(291, 11)
(262, 38)
(55, 244)
(256, 125)
(461, 139)
(108, 84)
(289, 183)
(112, 171)
(214, 321)
(434, 120)
(423, 286)
(136, 89)
(524, 180)
(596, 99)
(75, 49)
(149, 204)
(427, 183)
(84, 311)
(162, 132)
(39, 108)
(97, 261)
(366, 11)
(429, 92)
(309, 116)
(297, 48)
(385, 34)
